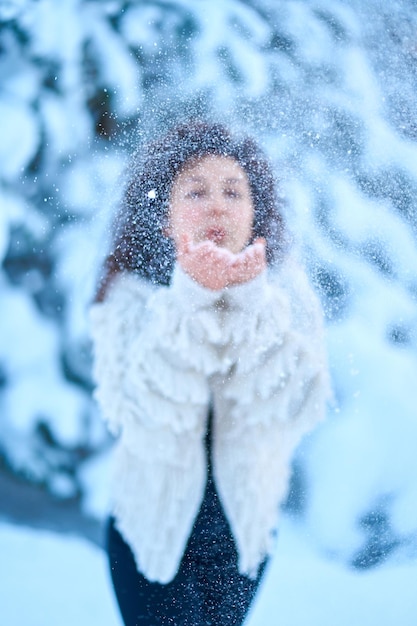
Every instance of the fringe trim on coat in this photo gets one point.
(162, 355)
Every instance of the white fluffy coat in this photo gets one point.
(163, 355)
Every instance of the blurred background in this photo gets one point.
(328, 87)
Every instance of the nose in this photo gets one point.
(216, 205)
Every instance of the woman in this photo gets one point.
(210, 367)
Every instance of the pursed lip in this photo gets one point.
(216, 234)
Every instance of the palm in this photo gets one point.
(216, 268)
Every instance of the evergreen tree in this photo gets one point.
(328, 87)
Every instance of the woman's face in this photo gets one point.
(211, 200)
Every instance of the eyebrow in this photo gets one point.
(202, 179)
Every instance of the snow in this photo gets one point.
(118, 70)
(26, 397)
(139, 23)
(48, 579)
(19, 137)
(10, 9)
(323, 105)
(96, 476)
(303, 588)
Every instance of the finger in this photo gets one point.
(249, 263)
(245, 256)
(214, 253)
(184, 244)
(260, 240)
(204, 245)
(256, 249)
(259, 249)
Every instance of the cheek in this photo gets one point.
(184, 218)
(248, 218)
(193, 215)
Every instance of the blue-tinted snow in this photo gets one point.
(360, 467)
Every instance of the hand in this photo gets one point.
(249, 263)
(216, 268)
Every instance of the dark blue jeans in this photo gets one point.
(207, 590)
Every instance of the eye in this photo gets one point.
(232, 193)
(195, 193)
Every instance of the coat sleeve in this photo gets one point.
(152, 352)
(152, 363)
(280, 370)
(113, 323)
(273, 393)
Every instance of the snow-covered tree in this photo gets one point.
(329, 88)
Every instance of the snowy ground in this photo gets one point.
(48, 579)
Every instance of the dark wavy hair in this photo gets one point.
(140, 244)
